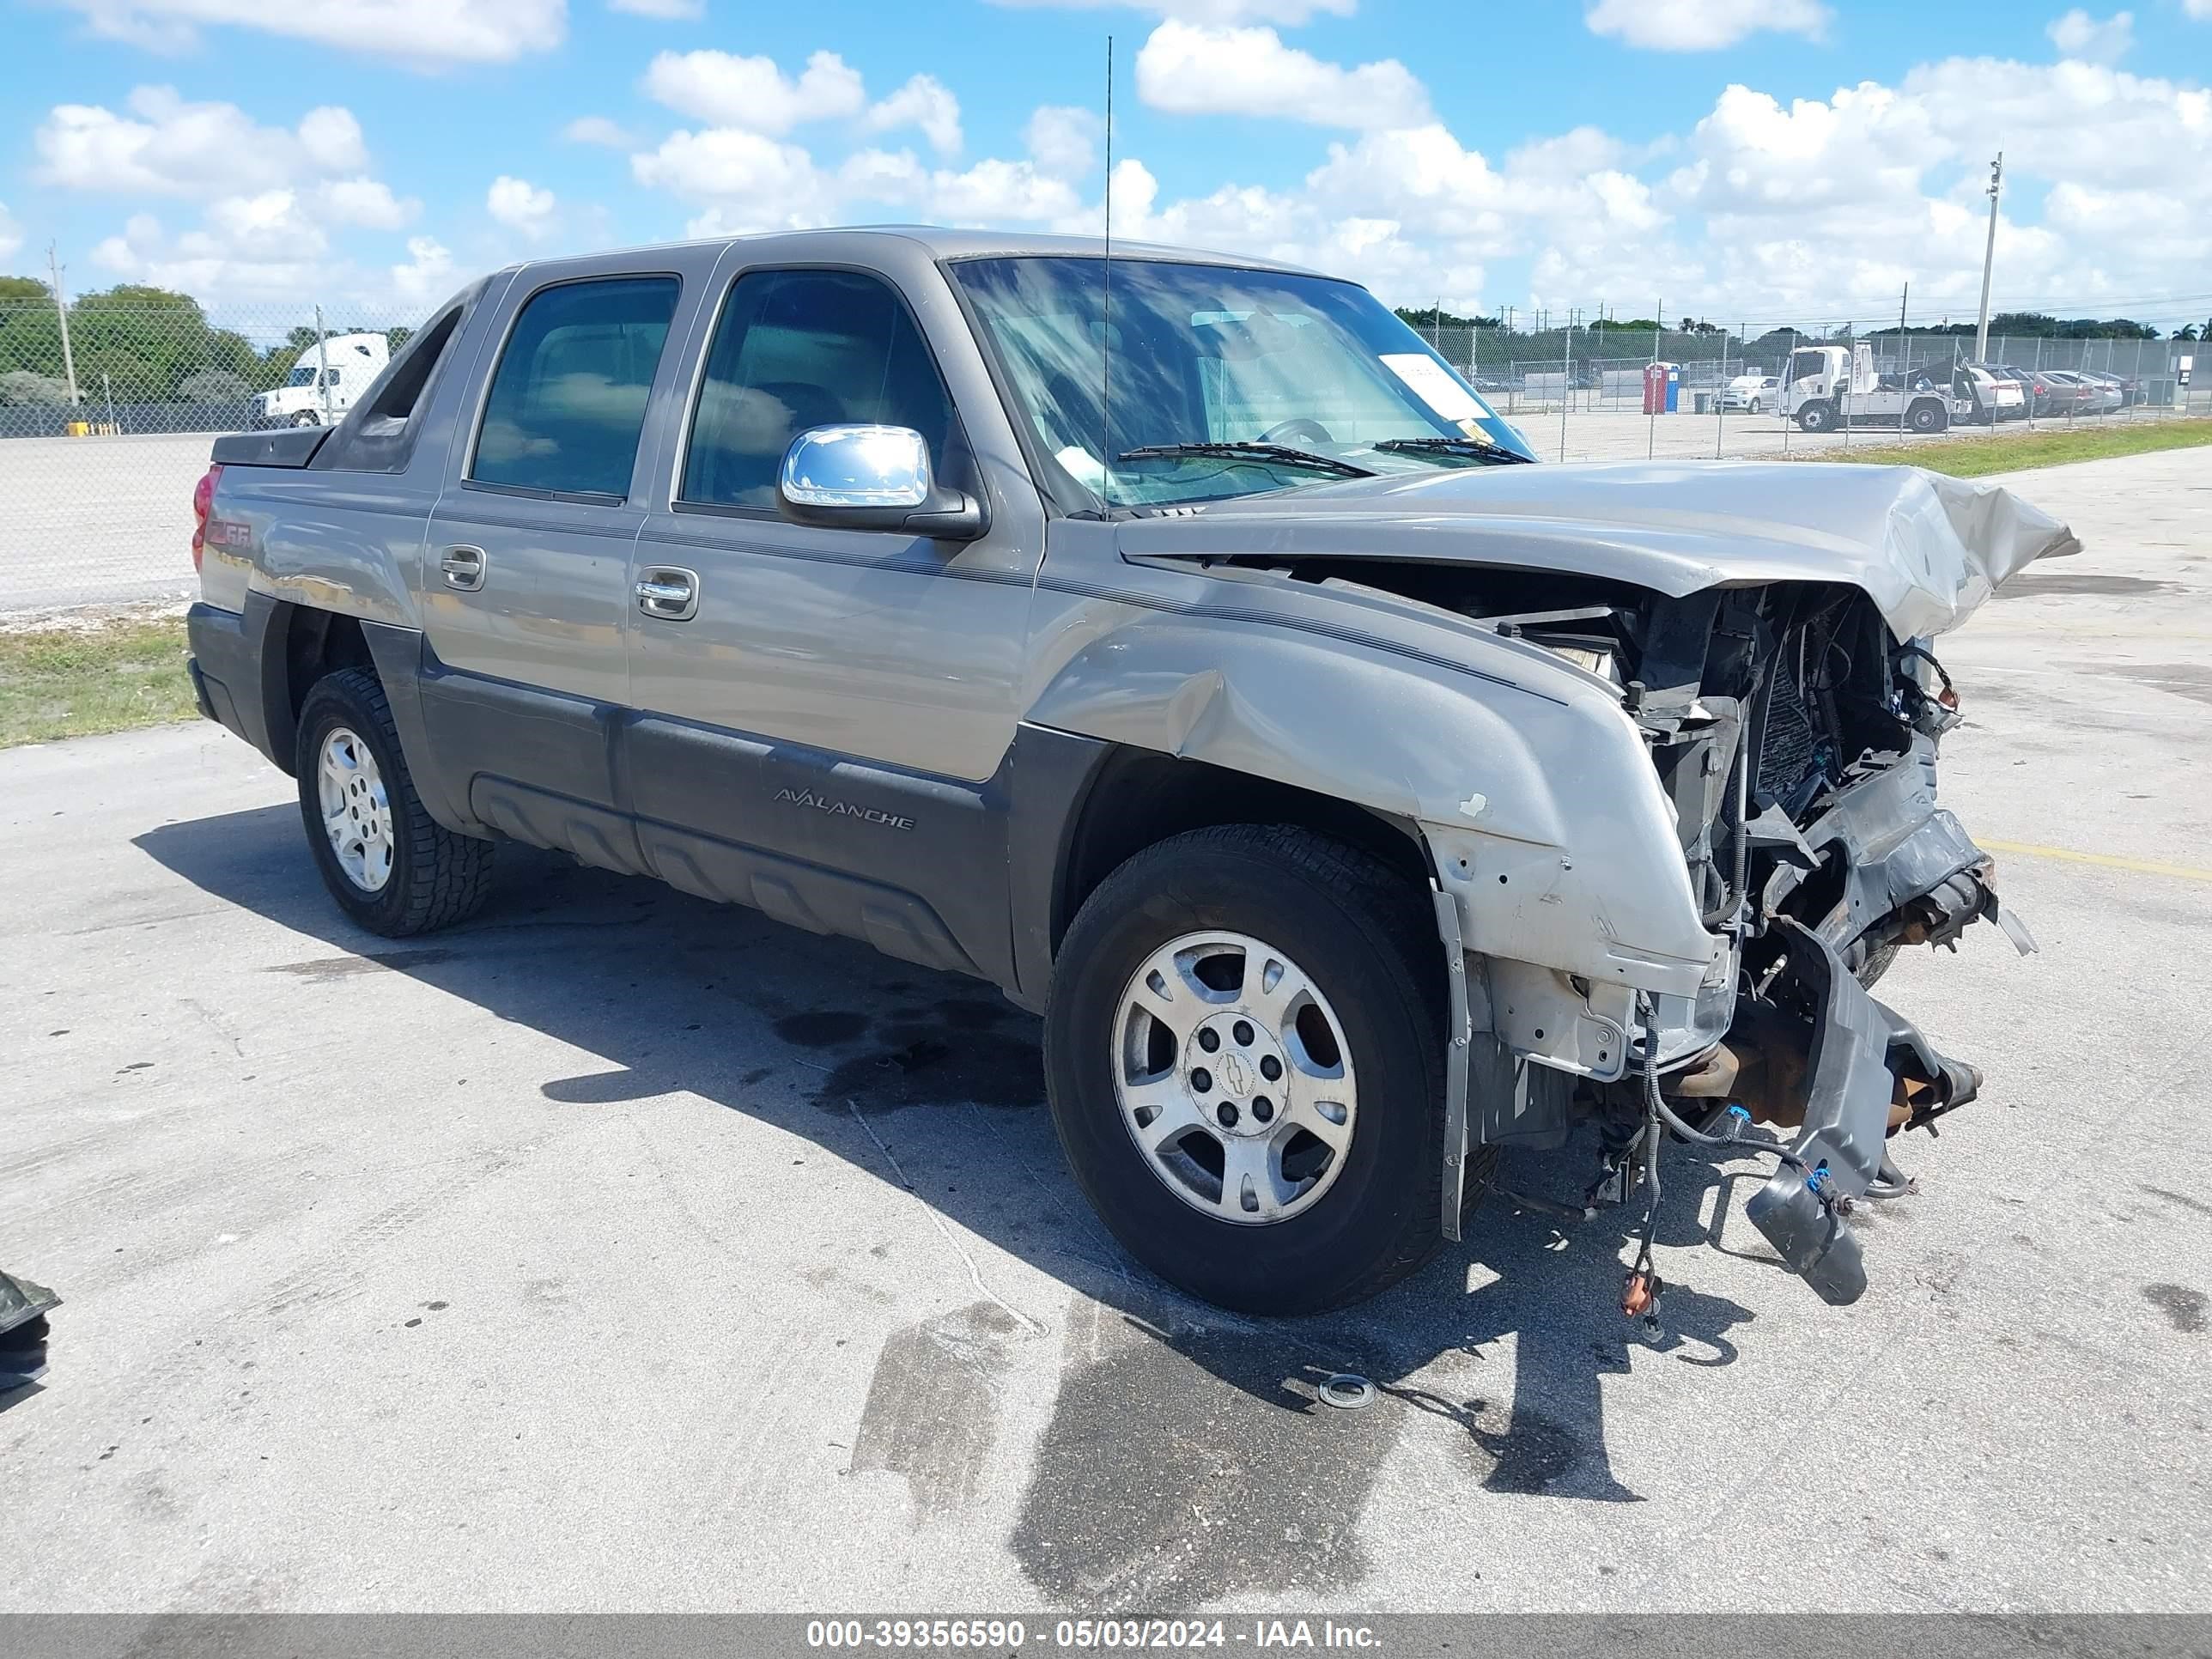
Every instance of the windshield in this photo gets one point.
(1212, 356)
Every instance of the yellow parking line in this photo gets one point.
(2067, 854)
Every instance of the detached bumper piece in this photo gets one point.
(23, 1308)
(1867, 1072)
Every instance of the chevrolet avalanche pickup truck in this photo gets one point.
(1182, 645)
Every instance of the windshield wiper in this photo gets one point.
(1474, 448)
(1258, 451)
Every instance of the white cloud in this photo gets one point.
(368, 202)
(2077, 34)
(519, 205)
(257, 247)
(12, 233)
(1190, 69)
(1061, 139)
(271, 223)
(330, 138)
(2200, 9)
(747, 181)
(752, 93)
(427, 33)
(992, 193)
(167, 146)
(598, 130)
(668, 11)
(922, 102)
(1288, 13)
(1703, 25)
(427, 277)
(1861, 146)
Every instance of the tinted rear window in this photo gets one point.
(567, 399)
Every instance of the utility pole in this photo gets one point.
(322, 359)
(1651, 416)
(61, 310)
(1989, 257)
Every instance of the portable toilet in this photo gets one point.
(1662, 387)
(1673, 386)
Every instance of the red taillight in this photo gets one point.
(203, 504)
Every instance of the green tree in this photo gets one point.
(1419, 320)
(19, 386)
(213, 386)
(30, 338)
(146, 340)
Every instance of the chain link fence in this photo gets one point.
(102, 438)
(1602, 369)
(104, 433)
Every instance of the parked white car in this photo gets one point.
(326, 381)
(1987, 397)
(1755, 392)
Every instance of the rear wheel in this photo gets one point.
(1926, 417)
(1245, 1060)
(391, 866)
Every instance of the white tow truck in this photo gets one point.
(1827, 387)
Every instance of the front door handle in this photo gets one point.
(463, 567)
(668, 593)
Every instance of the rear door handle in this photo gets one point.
(464, 568)
(668, 592)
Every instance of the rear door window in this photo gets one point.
(567, 399)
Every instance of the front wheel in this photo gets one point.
(306, 417)
(391, 866)
(1816, 417)
(1244, 1055)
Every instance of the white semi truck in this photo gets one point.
(326, 381)
(1825, 386)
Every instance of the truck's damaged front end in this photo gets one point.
(1794, 739)
(1677, 791)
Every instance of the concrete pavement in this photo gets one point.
(620, 1252)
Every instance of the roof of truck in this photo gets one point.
(940, 243)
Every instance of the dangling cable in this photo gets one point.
(1656, 1105)
(1641, 1290)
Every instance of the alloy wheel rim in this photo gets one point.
(356, 812)
(1234, 1078)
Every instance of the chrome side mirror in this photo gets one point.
(873, 477)
(862, 466)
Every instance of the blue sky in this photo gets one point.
(1761, 160)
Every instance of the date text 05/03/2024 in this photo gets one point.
(1124, 1635)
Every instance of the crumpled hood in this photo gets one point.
(1928, 548)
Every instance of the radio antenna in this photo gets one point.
(1106, 285)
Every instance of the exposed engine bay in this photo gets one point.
(1795, 736)
(1672, 765)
